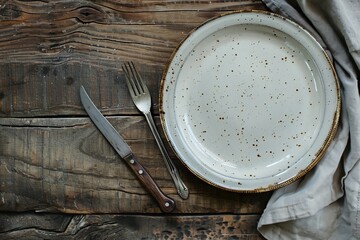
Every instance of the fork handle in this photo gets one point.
(181, 188)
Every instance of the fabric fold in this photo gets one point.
(325, 204)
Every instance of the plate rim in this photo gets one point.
(324, 145)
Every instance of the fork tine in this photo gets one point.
(139, 80)
(134, 79)
(129, 80)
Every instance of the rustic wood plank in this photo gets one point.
(28, 90)
(125, 12)
(54, 226)
(65, 164)
(48, 49)
(13, 222)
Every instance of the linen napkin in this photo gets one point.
(325, 204)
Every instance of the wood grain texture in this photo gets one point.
(54, 226)
(60, 162)
(66, 165)
(48, 49)
(53, 159)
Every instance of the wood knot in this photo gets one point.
(9, 12)
(87, 15)
(70, 81)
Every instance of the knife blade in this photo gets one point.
(122, 148)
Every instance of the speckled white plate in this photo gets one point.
(249, 101)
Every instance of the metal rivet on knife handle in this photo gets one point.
(166, 204)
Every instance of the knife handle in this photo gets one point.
(166, 204)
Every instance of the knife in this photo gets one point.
(122, 148)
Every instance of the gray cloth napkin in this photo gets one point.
(325, 204)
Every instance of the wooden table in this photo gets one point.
(59, 177)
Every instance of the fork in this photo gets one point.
(141, 97)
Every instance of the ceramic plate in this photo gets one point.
(249, 101)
